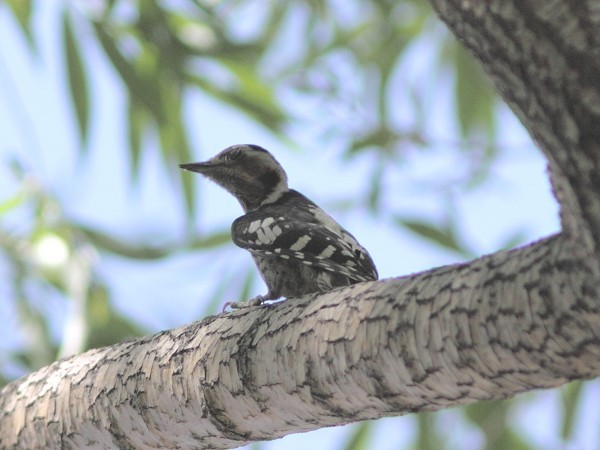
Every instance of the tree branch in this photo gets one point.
(506, 323)
(544, 59)
(503, 324)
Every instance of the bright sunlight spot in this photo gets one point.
(50, 251)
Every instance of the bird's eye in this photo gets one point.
(234, 155)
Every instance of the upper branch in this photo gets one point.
(505, 323)
(544, 58)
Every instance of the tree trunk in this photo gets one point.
(503, 324)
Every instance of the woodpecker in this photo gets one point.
(297, 247)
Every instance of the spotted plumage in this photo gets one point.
(297, 247)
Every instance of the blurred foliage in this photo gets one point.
(429, 436)
(571, 396)
(491, 417)
(345, 61)
(358, 437)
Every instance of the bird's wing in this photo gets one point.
(313, 244)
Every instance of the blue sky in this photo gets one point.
(36, 125)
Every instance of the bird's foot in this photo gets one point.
(256, 301)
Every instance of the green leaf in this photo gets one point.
(22, 11)
(359, 437)
(443, 236)
(120, 247)
(140, 85)
(264, 110)
(374, 193)
(137, 122)
(213, 240)
(571, 397)
(428, 437)
(189, 191)
(175, 147)
(77, 79)
(145, 252)
(106, 325)
(12, 203)
(491, 417)
(474, 95)
(514, 239)
(254, 87)
(381, 138)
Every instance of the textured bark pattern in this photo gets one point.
(506, 323)
(503, 324)
(544, 58)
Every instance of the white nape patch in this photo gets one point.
(254, 226)
(329, 250)
(300, 243)
(278, 191)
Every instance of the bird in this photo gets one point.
(297, 247)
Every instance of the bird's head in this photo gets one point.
(248, 172)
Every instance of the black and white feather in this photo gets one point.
(297, 247)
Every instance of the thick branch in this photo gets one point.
(503, 324)
(506, 323)
(544, 58)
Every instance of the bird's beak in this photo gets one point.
(199, 167)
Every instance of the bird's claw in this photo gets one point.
(256, 301)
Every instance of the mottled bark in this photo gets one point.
(544, 59)
(500, 325)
